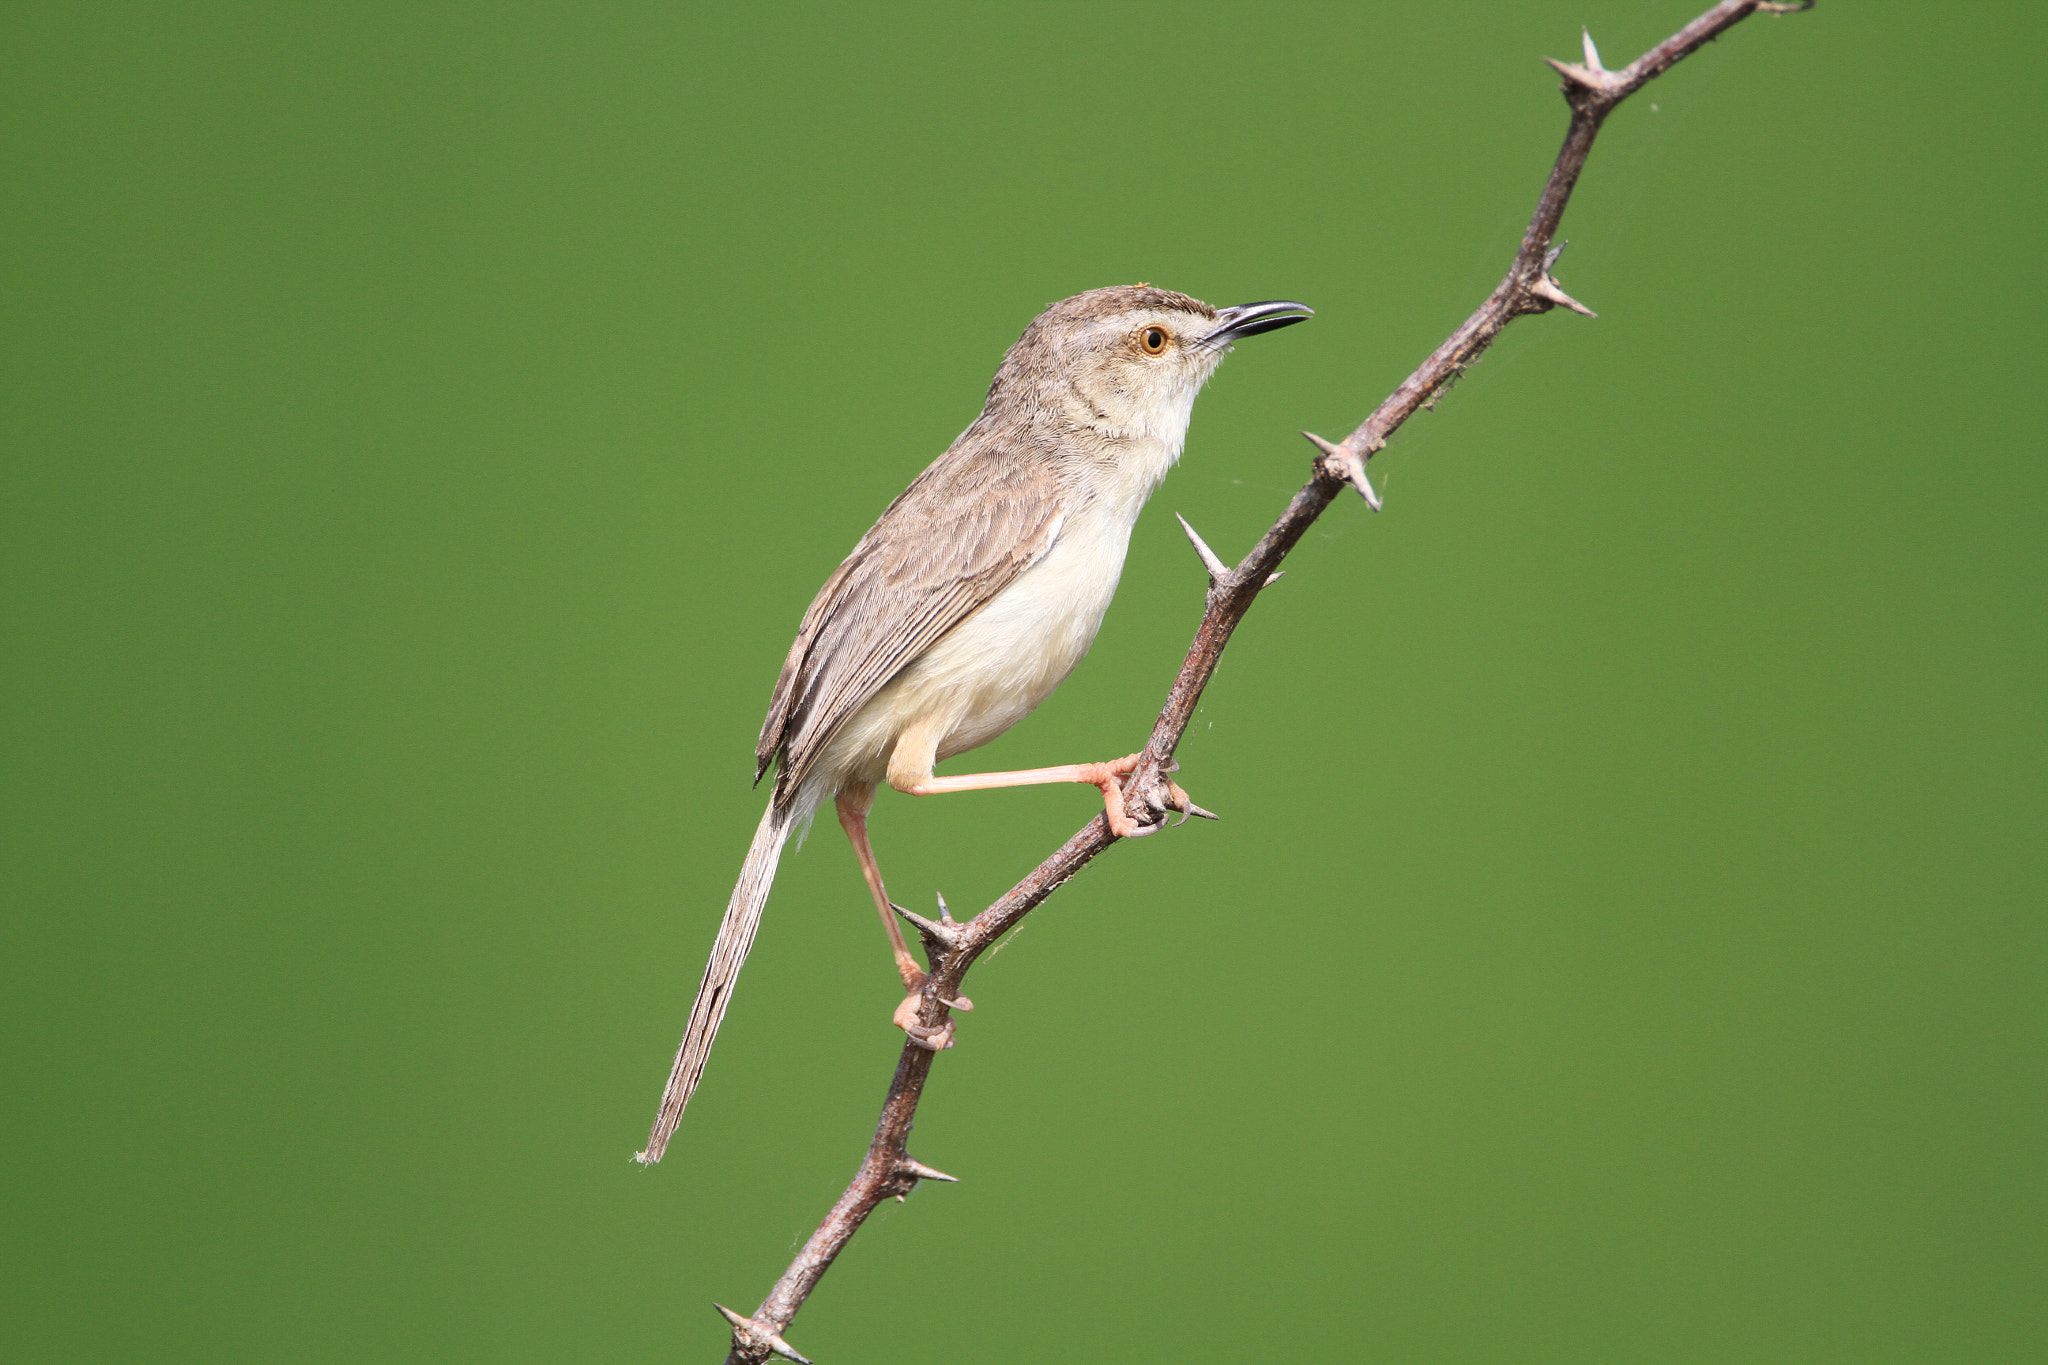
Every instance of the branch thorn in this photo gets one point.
(918, 1170)
(1349, 464)
(1217, 570)
(747, 1332)
(1592, 53)
(945, 933)
(1274, 577)
(1594, 78)
(1546, 288)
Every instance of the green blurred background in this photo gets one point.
(425, 425)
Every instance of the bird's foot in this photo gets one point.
(1158, 798)
(1181, 802)
(931, 1039)
(1107, 776)
(936, 1038)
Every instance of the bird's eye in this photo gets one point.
(1153, 339)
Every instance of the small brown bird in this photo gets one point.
(972, 599)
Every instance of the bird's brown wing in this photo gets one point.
(957, 536)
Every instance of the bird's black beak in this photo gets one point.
(1250, 319)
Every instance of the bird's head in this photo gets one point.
(1129, 360)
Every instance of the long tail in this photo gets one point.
(728, 955)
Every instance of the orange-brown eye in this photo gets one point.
(1153, 339)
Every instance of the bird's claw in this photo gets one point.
(1133, 830)
(1159, 808)
(1186, 806)
(934, 1038)
(931, 1039)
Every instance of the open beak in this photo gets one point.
(1250, 319)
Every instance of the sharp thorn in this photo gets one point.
(1595, 81)
(911, 1166)
(1546, 288)
(945, 912)
(759, 1335)
(1194, 809)
(1353, 465)
(1364, 486)
(916, 920)
(1217, 570)
(944, 932)
(1592, 53)
(1328, 448)
(1274, 577)
(1550, 256)
(963, 1003)
(1567, 70)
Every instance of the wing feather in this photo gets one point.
(960, 534)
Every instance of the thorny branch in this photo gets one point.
(1593, 92)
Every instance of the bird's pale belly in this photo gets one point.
(995, 667)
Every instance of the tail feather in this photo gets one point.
(728, 955)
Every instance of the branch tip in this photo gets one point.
(748, 1333)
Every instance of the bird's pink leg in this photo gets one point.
(853, 804)
(1102, 775)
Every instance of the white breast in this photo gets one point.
(999, 664)
(994, 668)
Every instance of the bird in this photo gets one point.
(969, 601)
